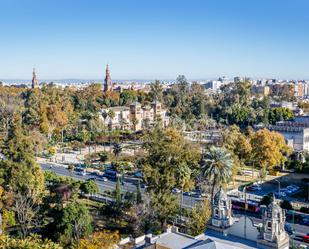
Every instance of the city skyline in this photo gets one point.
(154, 39)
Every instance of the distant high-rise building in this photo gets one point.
(108, 85)
(35, 82)
(238, 79)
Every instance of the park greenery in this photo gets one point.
(42, 210)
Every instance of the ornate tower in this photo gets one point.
(221, 218)
(272, 233)
(108, 86)
(156, 106)
(136, 115)
(35, 82)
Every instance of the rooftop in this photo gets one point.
(209, 240)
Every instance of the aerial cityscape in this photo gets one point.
(154, 124)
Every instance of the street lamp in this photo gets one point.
(278, 187)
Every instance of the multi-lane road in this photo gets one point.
(130, 187)
(109, 185)
(103, 185)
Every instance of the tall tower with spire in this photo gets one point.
(35, 82)
(108, 85)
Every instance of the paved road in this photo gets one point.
(103, 186)
(111, 185)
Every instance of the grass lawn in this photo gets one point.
(90, 203)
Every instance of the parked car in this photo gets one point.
(281, 194)
(289, 229)
(292, 189)
(176, 191)
(254, 187)
(288, 191)
(143, 185)
(138, 174)
(196, 194)
(305, 221)
(306, 238)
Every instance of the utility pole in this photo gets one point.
(278, 187)
(245, 224)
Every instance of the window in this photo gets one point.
(269, 226)
(216, 212)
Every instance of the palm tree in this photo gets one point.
(104, 116)
(185, 182)
(217, 166)
(134, 122)
(117, 150)
(111, 114)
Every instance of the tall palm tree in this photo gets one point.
(111, 114)
(184, 177)
(217, 166)
(104, 115)
(117, 149)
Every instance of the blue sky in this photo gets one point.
(154, 39)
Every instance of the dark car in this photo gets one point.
(111, 174)
(289, 229)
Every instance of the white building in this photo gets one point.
(213, 85)
(296, 133)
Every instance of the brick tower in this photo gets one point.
(35, 82)
(108, 85)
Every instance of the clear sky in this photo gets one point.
(154, 39)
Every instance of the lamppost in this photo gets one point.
(246, 206)
(293, 229)
(279, 194)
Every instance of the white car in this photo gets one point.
(82, 173)
(293, 188)
(104, 179)
(176, 191)
(281, 194)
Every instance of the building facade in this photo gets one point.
(134, 117)
(296, 132)
(272, 232)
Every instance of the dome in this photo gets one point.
(220, 196)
